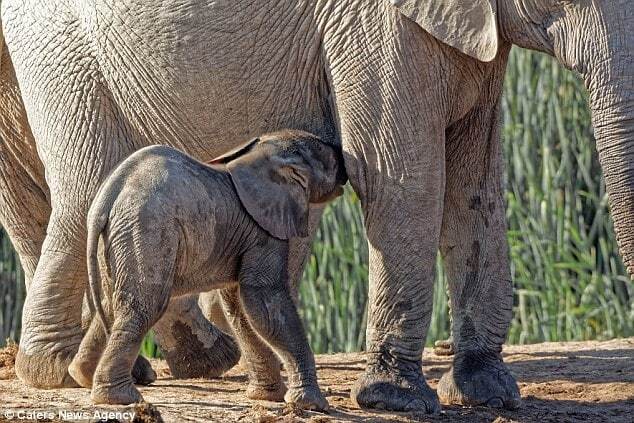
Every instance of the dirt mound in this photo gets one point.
(7, 360)
(146, 413)
(559, 382)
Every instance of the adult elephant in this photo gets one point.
(411, 88)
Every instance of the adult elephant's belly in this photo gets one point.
(205, 76)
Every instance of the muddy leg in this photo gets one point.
(475, 252)
(192, 346)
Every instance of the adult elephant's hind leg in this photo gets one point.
(192, 346)
(81, 136)
(24, 204)
(475, 253)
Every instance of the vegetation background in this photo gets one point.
(569, 281)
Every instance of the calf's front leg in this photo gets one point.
(271, 312)
(265, 380)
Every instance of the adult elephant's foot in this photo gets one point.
(479, 379)
(193, 357)
(142, 372)
(45, 369)
(192, 346)
(395, 390)
(444, 348)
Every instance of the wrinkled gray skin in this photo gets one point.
(208, 228)
(417, 112)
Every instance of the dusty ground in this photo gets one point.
(560, 382)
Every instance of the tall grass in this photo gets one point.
(570, 283)
(12, 291)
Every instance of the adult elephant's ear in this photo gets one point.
(468, 25)
(274, 190)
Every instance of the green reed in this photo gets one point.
(12, 291)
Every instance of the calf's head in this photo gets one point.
(278, 175)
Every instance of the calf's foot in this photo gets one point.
(82, 371)
(142, 372)
(273, 392)
(123, 393)
(479, 379)
(445, 347)
(307, 398)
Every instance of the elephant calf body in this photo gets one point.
(173, 226)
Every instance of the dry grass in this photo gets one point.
(7, 360)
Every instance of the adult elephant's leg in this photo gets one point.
(403, 224)
(211, 305)
(393, 140)
(52, 315)
(80, 135)
(193, 347)
(24, 204)
(475, 252)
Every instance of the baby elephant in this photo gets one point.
(172, 226)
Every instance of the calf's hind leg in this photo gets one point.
(113, 382)
(84, 364)
(138, 301)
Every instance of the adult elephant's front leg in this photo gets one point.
(393, 142)
(475, 252)
(403, 228)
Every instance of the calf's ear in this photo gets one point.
(235, 153)
(274, 191)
